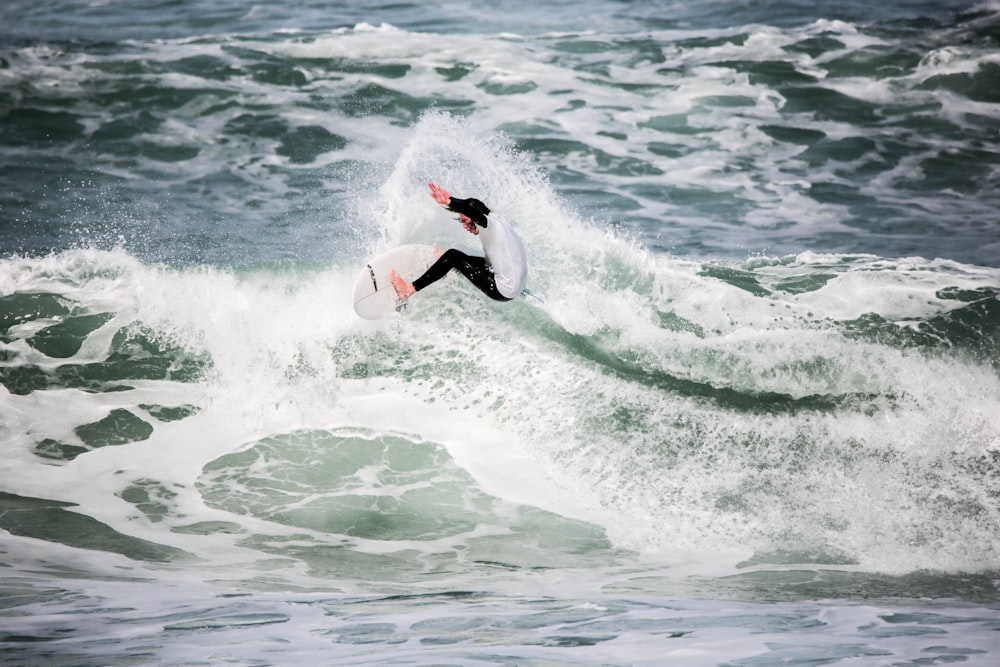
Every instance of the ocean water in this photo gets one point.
(753, 420)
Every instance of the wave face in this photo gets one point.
(753, 416)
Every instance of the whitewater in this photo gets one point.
(754, 418)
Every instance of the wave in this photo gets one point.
(839, 408)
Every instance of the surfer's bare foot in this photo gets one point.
(437, 253)
(404, 290)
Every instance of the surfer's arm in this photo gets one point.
(443, 197)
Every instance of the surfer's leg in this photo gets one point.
(439, 269)
(405, 290)
(473, 268)
(478, 273)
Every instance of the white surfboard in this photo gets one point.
(374, 295)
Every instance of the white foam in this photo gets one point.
(586, 405)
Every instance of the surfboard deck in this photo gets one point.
(374, 296)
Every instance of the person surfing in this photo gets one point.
(500, 275)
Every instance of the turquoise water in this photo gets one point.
(754, 421)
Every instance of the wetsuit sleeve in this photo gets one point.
(460, 206)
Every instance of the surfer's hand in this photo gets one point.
(469, 225)
(440, 195)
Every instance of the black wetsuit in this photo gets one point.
(474, 268)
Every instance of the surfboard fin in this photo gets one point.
(528, 294)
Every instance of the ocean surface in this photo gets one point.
(753, 418)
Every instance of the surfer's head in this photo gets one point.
(471, 208)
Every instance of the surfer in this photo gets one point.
(501, 274)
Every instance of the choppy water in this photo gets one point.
(755, 420)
